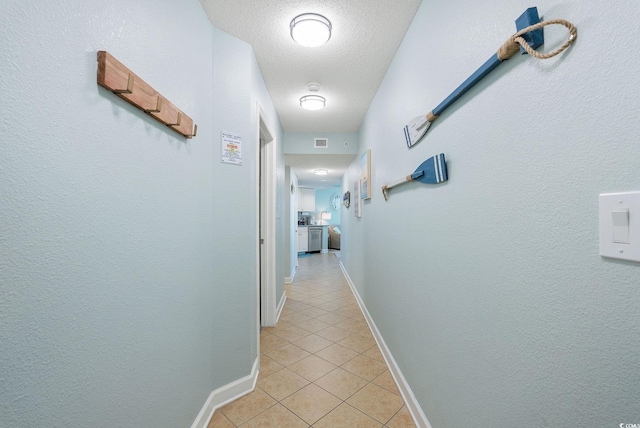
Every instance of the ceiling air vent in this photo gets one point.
(320, 143)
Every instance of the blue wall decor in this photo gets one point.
(530, 39)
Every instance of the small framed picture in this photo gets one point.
(365, 174)
(357, 203)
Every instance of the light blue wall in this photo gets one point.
(261, 96)
(238, 87)
(119, 307)
(291, 218)
(323, 197)
(302, 143)
(489, 289)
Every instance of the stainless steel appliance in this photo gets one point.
(304, 219)
(315, 238)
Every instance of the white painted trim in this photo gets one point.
(280, 307)
(289, 279)
(226, 394)
(419, 418)
(268, 292)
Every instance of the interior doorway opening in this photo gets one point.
(266, 223)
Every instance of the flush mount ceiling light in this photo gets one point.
(321, 171)
(313, 87)
(312, 102)
(310, 29)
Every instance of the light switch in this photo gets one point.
(620, 225)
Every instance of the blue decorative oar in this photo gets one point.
(432, 171)
(527, 39)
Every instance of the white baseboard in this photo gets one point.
(289, 279)
(226, 395)
(419, 418)
(280, 306)
(324, 251)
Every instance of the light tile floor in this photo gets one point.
(319, 366)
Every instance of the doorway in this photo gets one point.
(266, 219)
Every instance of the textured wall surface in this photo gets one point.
(264, 23)
(126, 293)
(290, 221)
(238, 88)
(302, 143)
(489, 289)
(323, 203)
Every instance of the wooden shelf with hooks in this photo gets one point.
(117, 78)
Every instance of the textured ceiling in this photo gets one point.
(350, 67)
(304, 165)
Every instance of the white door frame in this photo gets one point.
(266, 222)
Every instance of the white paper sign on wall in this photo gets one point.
(231, 148)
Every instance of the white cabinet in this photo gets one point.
(306, 199)
(303, 239)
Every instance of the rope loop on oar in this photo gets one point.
(512, 46)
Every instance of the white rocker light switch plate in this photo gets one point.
(620, 225)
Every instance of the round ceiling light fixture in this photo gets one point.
(310, 29)
(313, 87)
(312, 102)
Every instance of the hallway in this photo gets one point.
(320, 366)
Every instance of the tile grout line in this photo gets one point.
(341, 304)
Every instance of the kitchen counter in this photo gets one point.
(304, 230)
